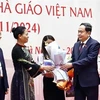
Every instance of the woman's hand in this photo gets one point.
(46, 68)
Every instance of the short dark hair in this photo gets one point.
(18, 30)
(88, 26)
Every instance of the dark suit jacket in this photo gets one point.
(4, 79)
(85, 63)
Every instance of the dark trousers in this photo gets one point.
(51, 91)
(2, 91)
(81, 93)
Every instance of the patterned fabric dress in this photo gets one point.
(22, 87)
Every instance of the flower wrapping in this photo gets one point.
(58, 56)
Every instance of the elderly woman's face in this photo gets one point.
(24, 37)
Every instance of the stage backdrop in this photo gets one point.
(60, 18)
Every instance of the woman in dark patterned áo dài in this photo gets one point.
(22, 87)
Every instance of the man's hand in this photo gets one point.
(66, 66)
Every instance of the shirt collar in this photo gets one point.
(85, 40)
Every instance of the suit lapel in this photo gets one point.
(85, 46)
(77, 50)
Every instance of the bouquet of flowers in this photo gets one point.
(58, 56)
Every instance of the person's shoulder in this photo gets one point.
(76, 43)
(1, 50)
(95, 41)
(16, 48)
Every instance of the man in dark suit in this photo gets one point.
(84, 62)
(3, 76)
